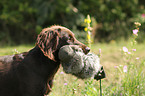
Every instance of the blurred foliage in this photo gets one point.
(22, 20)
(17, 21)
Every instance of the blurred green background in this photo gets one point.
(112, 21)
(22, 20)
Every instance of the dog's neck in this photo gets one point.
(44, 60)
(36, 50)
(49, 66)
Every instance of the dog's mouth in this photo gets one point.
(85, 49)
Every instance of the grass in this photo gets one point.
(116, 83)
(9, 50)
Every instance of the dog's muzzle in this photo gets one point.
(100, 75)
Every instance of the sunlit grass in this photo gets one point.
(68, 85)
(9, 50)
(111, 56)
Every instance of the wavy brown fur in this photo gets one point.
(32, 73)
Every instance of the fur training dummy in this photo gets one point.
(75, 62)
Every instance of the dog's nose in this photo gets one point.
(87, 50)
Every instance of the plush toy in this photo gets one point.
(75, 62)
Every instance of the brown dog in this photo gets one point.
(31, 73)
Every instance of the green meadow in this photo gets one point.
(118, 82)
(116, 26)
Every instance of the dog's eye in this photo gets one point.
(70, 38)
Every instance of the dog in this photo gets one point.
(31, 73)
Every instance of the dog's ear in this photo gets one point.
(48, 41)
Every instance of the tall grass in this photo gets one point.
(117, 82)
(124, 67)
(126, 79)
(130, 76)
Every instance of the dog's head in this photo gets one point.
(53, 38)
